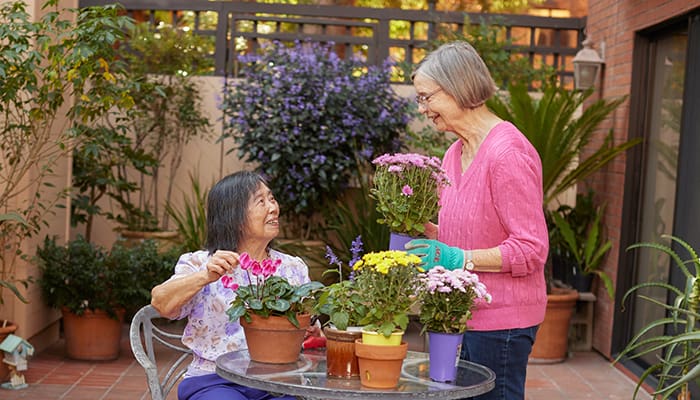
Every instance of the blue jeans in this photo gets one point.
(505, 353)
(213, 387)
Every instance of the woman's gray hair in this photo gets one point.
(460, 72)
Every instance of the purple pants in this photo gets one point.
(214, 387)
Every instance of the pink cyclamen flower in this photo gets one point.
(255, 268)
(228, 282)
(269, 267)
(407, 191)
(244, 260)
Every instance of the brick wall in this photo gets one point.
(612, 25)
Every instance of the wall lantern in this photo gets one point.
(587, 66)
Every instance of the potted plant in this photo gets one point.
(344, 306)
(271, 310)
(553, 125)
(447, 298)
(45, 62)
(577, 234)
(93, 288)
(387, 281)
(672, 338)
(309, 119)
(407, 188)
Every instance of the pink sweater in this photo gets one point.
(498, 202)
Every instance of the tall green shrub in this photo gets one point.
(55, 73)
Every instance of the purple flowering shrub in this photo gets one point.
(308, 119)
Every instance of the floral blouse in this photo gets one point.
(208, 332)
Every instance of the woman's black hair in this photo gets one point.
(227, 209)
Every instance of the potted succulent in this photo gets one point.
(271, 310)
(673, 338)
(407, 189)
(94, 287)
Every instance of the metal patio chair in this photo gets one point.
(144, 336)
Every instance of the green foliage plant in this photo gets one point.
(559, 134)
(83, 276)
(341, 301)
(678, 360)
(191, 219)
(168, 112)
(578, 233)
(53, 74)
(305, 117)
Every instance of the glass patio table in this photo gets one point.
(307, 378)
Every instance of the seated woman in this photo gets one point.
(242, 216)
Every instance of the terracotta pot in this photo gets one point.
(93, 336)
(6, 330)
(341, 361)
(380, 366)
(551, 343)
(275, 340)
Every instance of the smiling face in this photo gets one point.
(434, 102)
(262, 216)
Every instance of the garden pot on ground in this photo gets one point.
(93, 336)
(341, 361)
(380, 366)
(551, 342)
(274, 340)
(6, 328)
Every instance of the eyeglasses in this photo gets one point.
(423, 100)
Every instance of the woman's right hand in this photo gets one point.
(221, 263)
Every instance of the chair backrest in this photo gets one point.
(144, 336)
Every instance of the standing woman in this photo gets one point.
(491, 220)
(242, 216)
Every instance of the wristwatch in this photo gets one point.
(468, 263)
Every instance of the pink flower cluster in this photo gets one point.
(261, 270)
(441, 280)
(407, 188)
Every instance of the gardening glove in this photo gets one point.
(434, 253)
